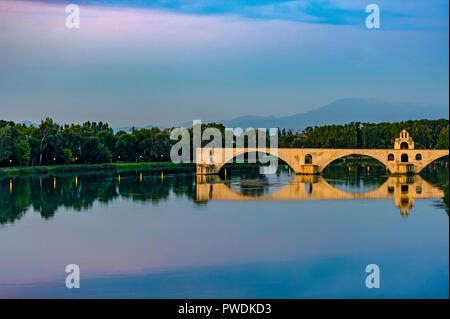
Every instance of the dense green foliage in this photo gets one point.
(91, 142)
(51, 143)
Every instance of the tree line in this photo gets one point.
(92, 142)
(427, 134)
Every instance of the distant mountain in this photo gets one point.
(343, 111)
(29, 123)
(128, 128)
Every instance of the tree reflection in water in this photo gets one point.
(45, 194)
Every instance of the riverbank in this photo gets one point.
(169, 167)
(53, 169)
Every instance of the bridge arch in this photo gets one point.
(426, 162)
(382, 159)
(278, 153)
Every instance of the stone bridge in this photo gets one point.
(402, 159)
(403, 189)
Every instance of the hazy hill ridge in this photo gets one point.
(338, 112)
(343, 111)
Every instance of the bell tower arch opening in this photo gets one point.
(404, 158)
(404, 141)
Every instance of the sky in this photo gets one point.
(136, 62)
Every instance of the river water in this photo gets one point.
(244, 235)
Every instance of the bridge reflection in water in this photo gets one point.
(403, 189)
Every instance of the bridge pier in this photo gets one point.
(405, 168)
(213, 169)
(207, 169)
(308, 169)
(311, 169)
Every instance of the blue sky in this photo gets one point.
(340, 12)
(307, 11)
(164, 62)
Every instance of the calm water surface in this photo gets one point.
(138, 234)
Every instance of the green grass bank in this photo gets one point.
(53, 169)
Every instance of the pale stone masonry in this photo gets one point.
(402, 159)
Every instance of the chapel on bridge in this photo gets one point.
(404, 141)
